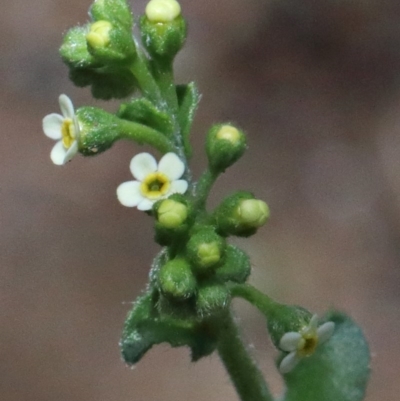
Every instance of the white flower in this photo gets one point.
(64, 129)
(153, 182)
(302, 344)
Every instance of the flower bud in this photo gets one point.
(176, 279)
(162, 10)
(174, 217)
(205, 250)
(211, 299)
(99, 34)
(171, 214)
(109, 44)
(252, 213)
(236, 266)
(98, 130)
(224, 146)
(163, 29)
(240, 214)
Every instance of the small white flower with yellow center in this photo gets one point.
(302, 344)
(64, 129)
(153, 182)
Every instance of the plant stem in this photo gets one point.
(261, 301)
(203, 187)
(146, 81)
(143, 134)
(244, 373)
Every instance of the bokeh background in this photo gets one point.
(316, 84)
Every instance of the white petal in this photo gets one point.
(52, 126)
(146, 204)
(172, 166)
(142, 165)
(313, 322)
(289, 341)
(289, 362)
(178, 186)
(58, 154)
(325, 331)
(66, 106)
(71, 152)
(129, 194)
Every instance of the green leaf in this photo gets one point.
(145, 112)
(145, 327)
(188, 100)
(337, 371)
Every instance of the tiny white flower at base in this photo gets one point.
(64, 129)
(302, 344)
(153, 182)
(162, 10)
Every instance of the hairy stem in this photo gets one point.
(244, 373)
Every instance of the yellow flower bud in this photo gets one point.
(162, 10)
(252, 212)
(209, 254)
(172, 214)
(229, 133)
(99, 34)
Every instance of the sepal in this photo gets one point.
(115, 11)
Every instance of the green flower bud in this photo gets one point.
(110, 44)
(224, 146)
(240, 214)
(205, 250)
(211, 299)
(98, 130)
(163, 29)
(252, 213)
(115, 11)
(285, 319)
(171, 214)
(176, 279)
(236, 267)
(174, 217)
(99, 34)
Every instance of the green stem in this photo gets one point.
(261, 301)
(143, 134)
(202, 188)
(146, 81)
(164, 76)
(244, 373)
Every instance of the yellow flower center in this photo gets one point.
(307, 344)
(155, 185)
(68, 132)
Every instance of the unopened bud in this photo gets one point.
(176, 279)
(162, 10)
(252, 213)
(99, 34)
(172, 214)
(225, 145)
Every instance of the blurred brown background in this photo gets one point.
(316, 84)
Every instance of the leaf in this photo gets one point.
(144, 328)
(188, 100)
(338, 370)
